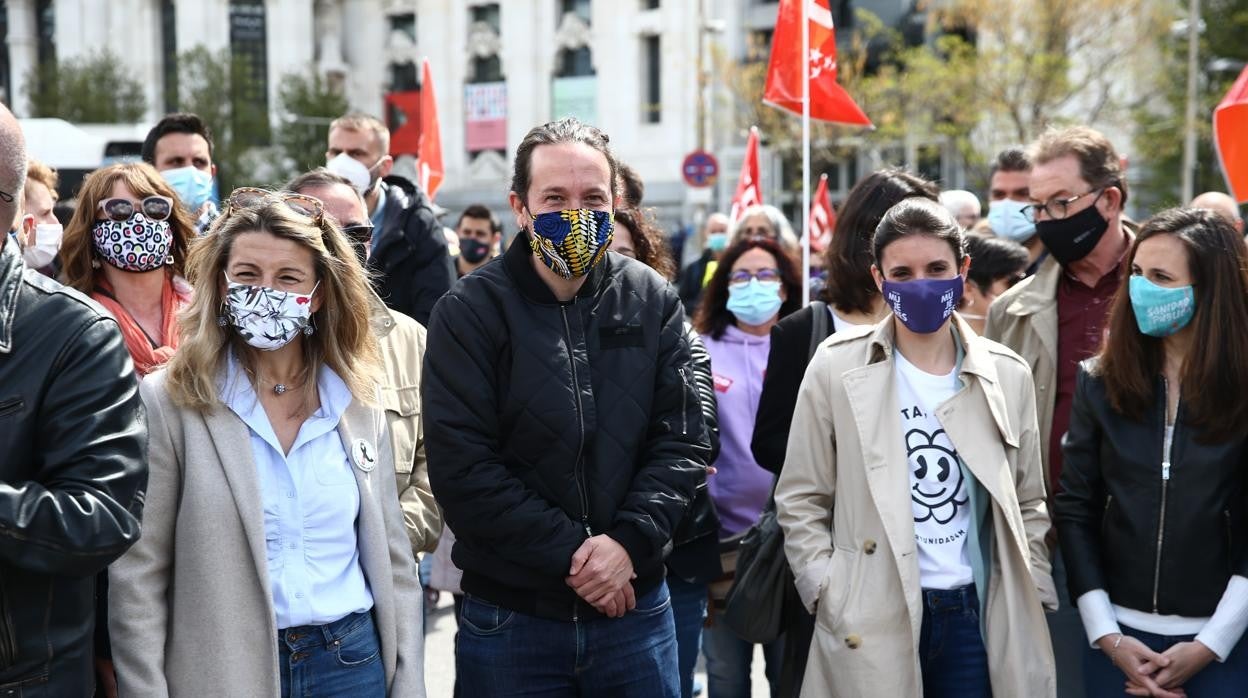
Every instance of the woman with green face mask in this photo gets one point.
(1154, 493)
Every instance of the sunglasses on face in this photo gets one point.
(361, 232)
(250, 197)
(156, 208)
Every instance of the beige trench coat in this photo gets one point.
(843, 500)
(402, 344)
(1024, 319)
(190, 611)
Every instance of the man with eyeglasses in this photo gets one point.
(408, 250)
(1056, 318)
(402, 342)
(73, 461)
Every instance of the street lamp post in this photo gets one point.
(1189, 121)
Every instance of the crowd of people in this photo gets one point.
(245, 445)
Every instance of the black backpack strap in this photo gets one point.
(818, 327)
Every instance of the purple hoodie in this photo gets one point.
(741, 487)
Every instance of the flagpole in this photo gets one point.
(805, 151)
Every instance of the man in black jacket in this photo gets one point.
(409, 252)
(565, 440)
(73, 462)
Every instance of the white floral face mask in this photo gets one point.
(267, 318)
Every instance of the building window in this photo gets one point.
(651, 97)
(45, 30)
(404, 23)
(404, 77)
(842, 14)
(488, 14)
(580, 8)
(487, 69)
(758, 45)
(649, 4)
(249, 49)
(575, 63)
(6, 90)
(169, 53)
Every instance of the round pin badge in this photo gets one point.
(364, 455)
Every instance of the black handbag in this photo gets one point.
(755, 607)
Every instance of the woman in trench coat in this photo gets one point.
(914, 516)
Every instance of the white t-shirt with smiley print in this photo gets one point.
(939, 496)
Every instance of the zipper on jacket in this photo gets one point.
(1165, 486)
(580, 419)
(684, 401)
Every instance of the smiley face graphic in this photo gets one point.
(938, 488)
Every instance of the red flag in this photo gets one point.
(429, 168)
(822, 217)
(748, 191)
(828, 100)
(1230, 137)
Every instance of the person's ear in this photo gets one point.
(964, 269)
(878, 276)
(517, 208)
(387, 165)
(1111, 202)
(26, 233)
(213, 170)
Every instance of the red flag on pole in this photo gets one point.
(748, 191)
(828, 100)
(429, 168)
(1230, 137)
(822, 217)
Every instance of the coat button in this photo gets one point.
(869, 547)
(853, 642)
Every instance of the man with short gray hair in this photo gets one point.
(73, 461)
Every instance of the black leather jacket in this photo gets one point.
(695, 555)
(414, 267)
(1157, 540)
(73, 463)
(550, 422)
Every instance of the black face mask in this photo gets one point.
(473, 251)
(1071, 239)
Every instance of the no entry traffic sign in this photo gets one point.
(699, 169)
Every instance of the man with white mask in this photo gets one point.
(38, 231)
(408, 253)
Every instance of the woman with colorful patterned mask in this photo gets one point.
(281, 440)
(126, 246)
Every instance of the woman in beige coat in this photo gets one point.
(912, 498)
(274, 560)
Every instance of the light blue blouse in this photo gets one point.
(311, 503)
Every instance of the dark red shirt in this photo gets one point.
(1081, 314)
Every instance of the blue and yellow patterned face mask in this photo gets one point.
(573, 241)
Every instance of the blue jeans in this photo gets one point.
(729, 660)
(342, 658)
(1227, 679)
(951, 647)
(503, 653)
(689, 610)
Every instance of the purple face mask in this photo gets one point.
(923, 305)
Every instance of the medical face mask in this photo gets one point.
(1161, 311)
(46, 245)
(193, 186)
(573, 241)
(1007, 220)
(357, 173)
(923, 305)
(267, 318)
(756, 302)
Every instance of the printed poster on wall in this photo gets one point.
(485, 108)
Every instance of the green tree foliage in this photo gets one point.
(216, 87)
(307, 104)
(93, 89)
(1160, 120)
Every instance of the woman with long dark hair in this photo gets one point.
(1152, 505)
(849, 299)
(755, 285)
(912, 502)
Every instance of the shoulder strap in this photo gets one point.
(818, 327)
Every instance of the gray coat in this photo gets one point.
(190, 608)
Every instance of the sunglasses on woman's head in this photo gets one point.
(156, 208)
(250, 197)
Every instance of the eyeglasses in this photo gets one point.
(358, 232)
(250, 197)
(6, 197)
(741, 279)
(157, 208)
(1057, 209)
